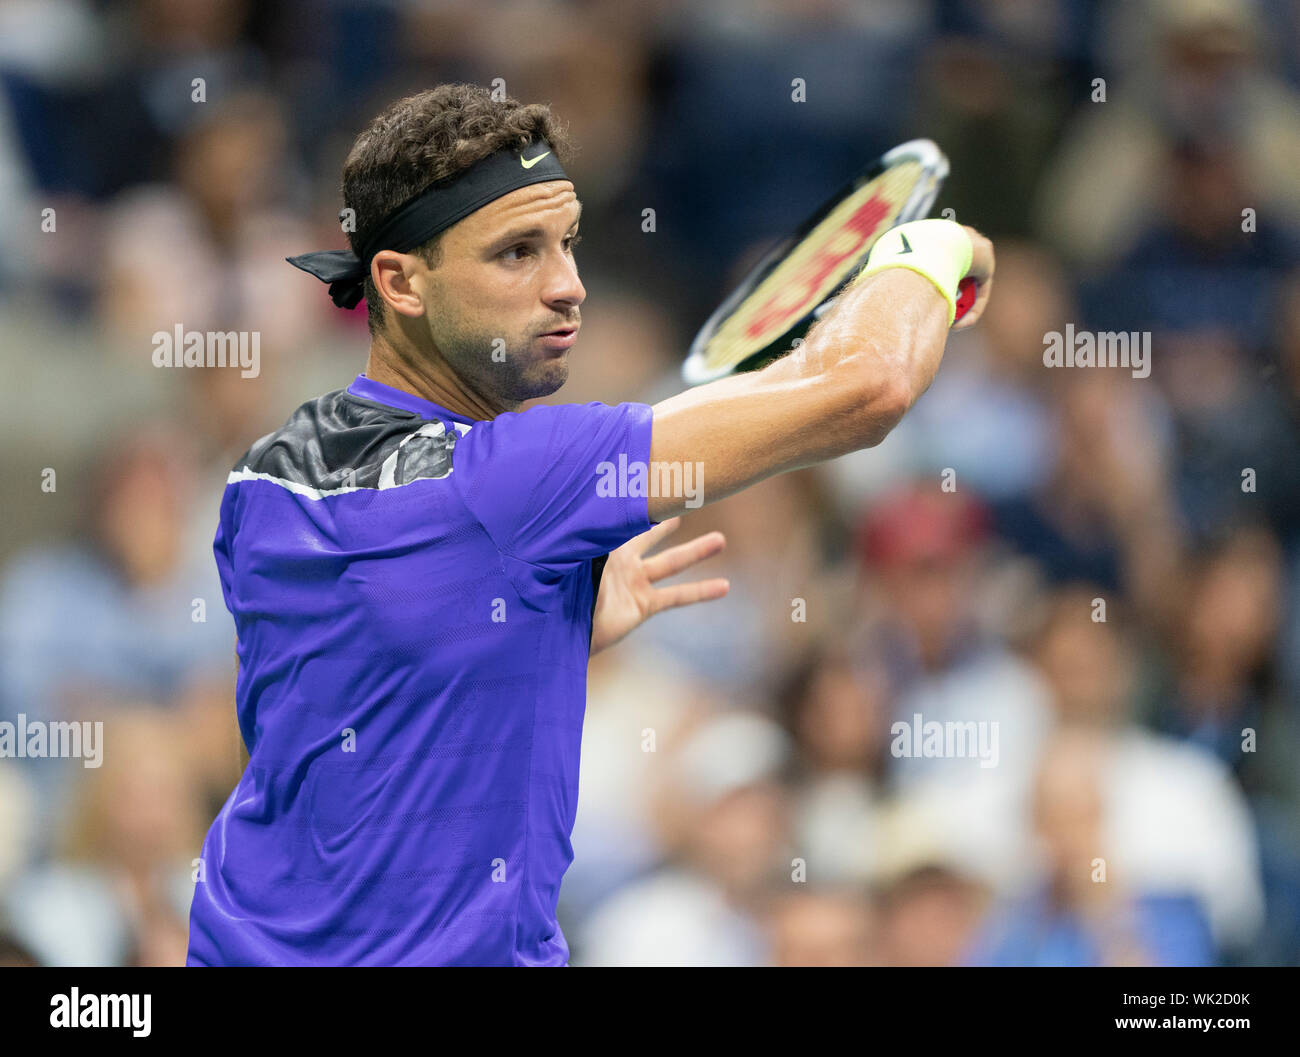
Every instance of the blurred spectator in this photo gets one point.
(1221, 690)
(1202, 262)
(120, 893)
(228, 232)
(1082, 913)
(925, 562)
(1234, 434)
(823, 927)
(112, 616)
(996, 112)
(837, 716)
(1104, 513)
(1195, 70)
(706, 906)
(1227, 637)
(1175, 820)
(928, 915)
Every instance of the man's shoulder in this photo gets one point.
(340, 442)
(308, 422)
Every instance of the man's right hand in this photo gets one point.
(981, 270)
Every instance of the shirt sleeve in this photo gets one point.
(557, 483)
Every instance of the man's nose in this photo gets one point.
(563, 287)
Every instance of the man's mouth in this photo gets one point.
(560, 339)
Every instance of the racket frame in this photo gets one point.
(934, 170)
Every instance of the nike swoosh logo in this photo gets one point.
(532, 161)
(907, 248)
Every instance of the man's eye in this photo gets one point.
(573, 240)
(507, 254)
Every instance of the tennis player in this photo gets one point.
(418, 571)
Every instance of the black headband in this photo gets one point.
(435, 209)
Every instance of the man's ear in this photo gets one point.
(392, 273)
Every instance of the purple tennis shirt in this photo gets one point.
(413, 594)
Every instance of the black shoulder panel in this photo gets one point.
(343, 441)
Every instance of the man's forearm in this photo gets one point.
(883, 340)
(887, 330)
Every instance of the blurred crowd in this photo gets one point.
(1100, 569)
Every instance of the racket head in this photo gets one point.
(793, 284)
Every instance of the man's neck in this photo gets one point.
(428, 377)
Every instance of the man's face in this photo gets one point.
(506, 283)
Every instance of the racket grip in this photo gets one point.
(967, 290)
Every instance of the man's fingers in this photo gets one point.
(687, 594)
(683, 556)
(642, 543)
(982, 261)
(977, 309)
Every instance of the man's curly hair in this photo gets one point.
(428, 137)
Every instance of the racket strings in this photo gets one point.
(817, 266)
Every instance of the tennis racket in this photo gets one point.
(798, 281)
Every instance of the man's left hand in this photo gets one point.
(628, 596)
